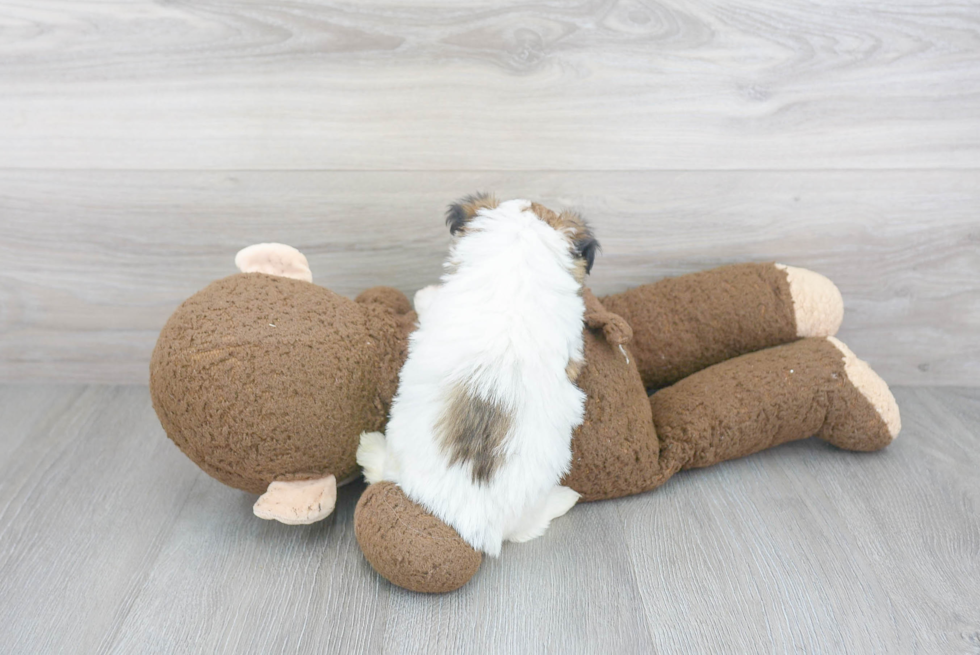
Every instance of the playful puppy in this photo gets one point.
(480, 429)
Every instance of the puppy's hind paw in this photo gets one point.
(371, 456)
(423, 298)
(537, 521)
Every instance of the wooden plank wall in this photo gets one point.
(142, 144)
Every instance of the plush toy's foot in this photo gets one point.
(817, 304)
(298, 502)
(855, 418)
(756, 401)
(408, 546)
(685, 324)
(537, 520)
(274, 259)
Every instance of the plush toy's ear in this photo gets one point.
(462, 211)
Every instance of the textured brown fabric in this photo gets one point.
(615, 450)
(853, 423)
(684, 324)
(614, 328)
(387, 297)
(763, 399)
(408, 546)
(245, 377)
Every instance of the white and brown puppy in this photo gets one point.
(481, 427)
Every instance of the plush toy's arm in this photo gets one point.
(615, 328)
(684, 324)
(409, 546)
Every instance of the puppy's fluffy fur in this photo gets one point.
(480, 429)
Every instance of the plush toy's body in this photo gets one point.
(267, 382)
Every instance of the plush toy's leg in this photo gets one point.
(537, 521)
(408, 546)
(810, 387)
(851, 425)
(684, 324)
(298, 502)
(274, 259)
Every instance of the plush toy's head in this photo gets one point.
(259, 378)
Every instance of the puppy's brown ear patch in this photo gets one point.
(584, 244)
(472, 431)
(546, 215)
(461, 212)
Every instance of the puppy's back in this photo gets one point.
(482, 423)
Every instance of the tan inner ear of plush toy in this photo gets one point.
(298, 502)
(871, 387)
(817, 303)
(274, 259)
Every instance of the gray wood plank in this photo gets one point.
(809, 549)
(93, 263)
(86, 500)
(225, 84)
(28, 410)
(249, 586)
(570, 591)
(111, 542)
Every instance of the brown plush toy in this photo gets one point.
(266, 382)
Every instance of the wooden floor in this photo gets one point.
(112, 541)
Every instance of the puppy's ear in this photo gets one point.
(586, 247)
(461, 212)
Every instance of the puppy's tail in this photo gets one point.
(371, 455)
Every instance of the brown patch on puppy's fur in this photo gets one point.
(546, 215)
(461, 212)
(472, 431)
(574, 368)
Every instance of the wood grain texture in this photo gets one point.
(112, 542)
(603, 84)
(93, 263)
